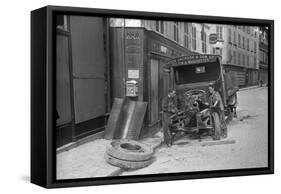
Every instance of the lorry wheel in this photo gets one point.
(129, 150)
(216, 125)
(229, 116)
(127, 164)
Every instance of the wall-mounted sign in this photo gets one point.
(133, 74)
(213, 38)
(194, 59)
(163, 49)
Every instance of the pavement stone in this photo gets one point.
(85, 161)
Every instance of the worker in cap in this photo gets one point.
(216, 104)
(169, 108)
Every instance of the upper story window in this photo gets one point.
(176, 31)
(204, 40)
(248, 29)
(234, 38)
(239, 40)
(160, 26)
(186, 35)
(219, 32)
(229, 35)
(194, 38)
(239, 59)
(234, 57)
(248, 44)
(248, 61)
(255, 47)
(243, 42)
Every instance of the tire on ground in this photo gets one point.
(127, 164)
(129, 150)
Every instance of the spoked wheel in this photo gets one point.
(217, 126)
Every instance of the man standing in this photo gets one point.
(216, 104)
(169, 107)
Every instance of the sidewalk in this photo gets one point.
(250, 87)
(87, 160)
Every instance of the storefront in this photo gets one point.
(139, 55)
(252, 77)
(263, 73)
(240, 74)
(82, 77)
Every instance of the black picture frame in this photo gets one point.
(43, 146)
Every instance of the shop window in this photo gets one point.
(219, 51)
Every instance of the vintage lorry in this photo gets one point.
(190, 77)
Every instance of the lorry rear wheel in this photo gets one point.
(216, 125)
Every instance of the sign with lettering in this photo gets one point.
(194, 59)
(213, 38)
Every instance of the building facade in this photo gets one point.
(239, 48)
(263, 55)
(192, 36)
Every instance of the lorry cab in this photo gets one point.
(191, 75)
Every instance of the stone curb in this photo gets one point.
(72, 145)
(249, 88)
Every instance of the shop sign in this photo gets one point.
(194, 59)
(213, 38)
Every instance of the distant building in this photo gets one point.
(239, 48)
(263, 54)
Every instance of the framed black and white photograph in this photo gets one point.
(125, 96)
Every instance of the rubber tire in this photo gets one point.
(115, 150)
(125, 164)
(217, 126)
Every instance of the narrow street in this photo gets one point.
(249, 130)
